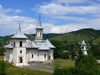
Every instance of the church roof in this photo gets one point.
(43, 47)
(9, 45)
(83, 43)
(49, 44)
(39, 25)
(19, 34)
(30, 44)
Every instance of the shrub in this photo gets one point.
(2, 68)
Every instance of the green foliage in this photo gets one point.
(73, 54)
(2, 68)
(74, 71)
(2, 49)
(87, 62)
(59, 49)
(64, 55)
(96, 51)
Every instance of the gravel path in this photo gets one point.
(47, 67)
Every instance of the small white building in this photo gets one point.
(83, 47)
(22, 51)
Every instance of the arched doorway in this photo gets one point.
(20, 59)
(49, 57)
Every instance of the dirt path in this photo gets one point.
(47, 67)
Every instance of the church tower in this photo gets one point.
(19, 48)
(39, 30)
(83, 47)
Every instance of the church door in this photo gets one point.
(49, 57)
(20, 60)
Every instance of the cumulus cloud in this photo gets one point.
(57, 8)
(18, 11)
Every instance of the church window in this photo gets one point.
(44, 55)
(20, 43)
(32, 55)
(14, 43)
(20, 51)
(82, 47)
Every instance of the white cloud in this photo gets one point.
(18, 11)
(56, 8)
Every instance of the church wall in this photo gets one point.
(42, 55)
(51, 54)
(11, 55)
(21, 52)
(7, 56)
(33, 55)
(17, 42)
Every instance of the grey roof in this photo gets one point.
(83, 43)
(19, 34)
(43, 47)
(39, 25)
(49, 44)
(30, 44)
(9, 45)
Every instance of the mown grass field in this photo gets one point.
(13, 70)
(65, 63)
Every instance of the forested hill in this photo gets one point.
(89, 35)
(30, 36)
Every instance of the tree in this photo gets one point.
(87, 62)
(96, 51)
(73, 54)
(59, 48)
(2, 49)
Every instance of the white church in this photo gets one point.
(22, 51)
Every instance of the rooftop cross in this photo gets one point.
(19, 25)
(39, 15)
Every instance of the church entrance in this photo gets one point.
(20, 60)
(49, 57)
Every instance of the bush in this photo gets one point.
(74, 71)
(2, 49)
(2, 68)
(97, 57)
(64, 55)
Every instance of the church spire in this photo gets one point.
(39, 30)
(19, 25)
(39, 25)
(19, 34)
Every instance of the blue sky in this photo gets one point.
(57, 16)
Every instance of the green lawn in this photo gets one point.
(13, 70)
(65, 62)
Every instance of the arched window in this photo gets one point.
(32, 55)
(20, 43)
(44, 55)
(82, 47)
(40, 33)
(14, 43)
(20, 51)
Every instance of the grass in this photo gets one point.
(13, 70)
(65, 63)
